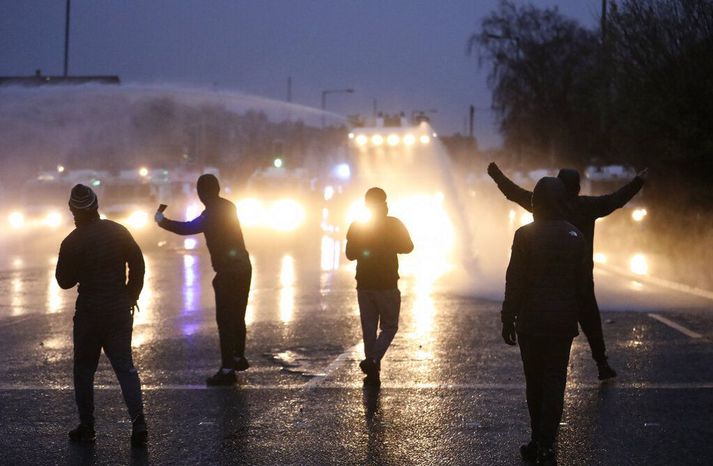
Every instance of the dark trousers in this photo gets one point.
(591, 323)
(545, 362)
(112, 333)
(231, 301)
(378, 309)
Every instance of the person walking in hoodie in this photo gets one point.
(582, 212)
(544, 294)
(375, 245)
(233, 272)
(95, 255)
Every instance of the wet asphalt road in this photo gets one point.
(452, 392)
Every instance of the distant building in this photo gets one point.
(38, 79)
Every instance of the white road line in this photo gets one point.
(385, 386)
(332, 367)
(658, 281)
(675, 326)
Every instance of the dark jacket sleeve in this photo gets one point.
(402, 242)
(67, 270)
(354, 247)
(193, 227)
(135, 260)
(601, 206)
(515, 280)
(513, 192)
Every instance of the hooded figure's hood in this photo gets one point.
(570, 178)
(549, 199)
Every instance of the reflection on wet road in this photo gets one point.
(452, 392)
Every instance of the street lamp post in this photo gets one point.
(324, 99)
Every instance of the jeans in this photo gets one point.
(591, 323)
(92, 333)
(545, 362)
(378, 308)
(231, 301)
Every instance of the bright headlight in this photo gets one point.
(377, 139)
(409, 139)
(16, 220)
(250, 212)
(393, 139)
(362, 139)
(638, 215)
(138, 219)
(53, 220)
(358, 212)
(425, 139)
(286, 215)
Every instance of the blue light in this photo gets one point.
(343, 171)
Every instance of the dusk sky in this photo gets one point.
(406, 55)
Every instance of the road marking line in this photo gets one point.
(332, 367)
(675, 326)
(385, 386)
(659, 282)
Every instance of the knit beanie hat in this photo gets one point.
(83, 198)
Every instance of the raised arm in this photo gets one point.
(601, 206)
(512, 192)
(193, 227)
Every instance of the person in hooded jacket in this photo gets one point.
(233, 272)
(582, 212)
(375, 245)
(95, 255)
(544, 294)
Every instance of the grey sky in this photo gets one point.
(407, 54)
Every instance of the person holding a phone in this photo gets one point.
(233, 272)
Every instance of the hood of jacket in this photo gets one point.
(549, 199)
(570, 178)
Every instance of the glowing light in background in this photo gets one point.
(600, 258)
(53, 220)
(16, 220)
(377, 139)
(425, 139)
(60, 168)
(190, 243)
(287, 290)
(393, 139)
(638, 215)
(409, 139)
(639, 265)
(286, 215)
(143, 172)
(351, 135)
(328, 192)
(138, 219)
(277, 163)
(344, 171)
(362, 140)
(525, 218)
(358, 213)
(193, 211)
(249, 212)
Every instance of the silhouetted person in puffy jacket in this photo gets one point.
(233, 272)
(374, 244)
(95, 255)
(582, 212)
(544, 290)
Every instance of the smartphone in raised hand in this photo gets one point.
(162, 207)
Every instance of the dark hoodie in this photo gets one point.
(547, 270)
(582, 211)
(220, 225)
